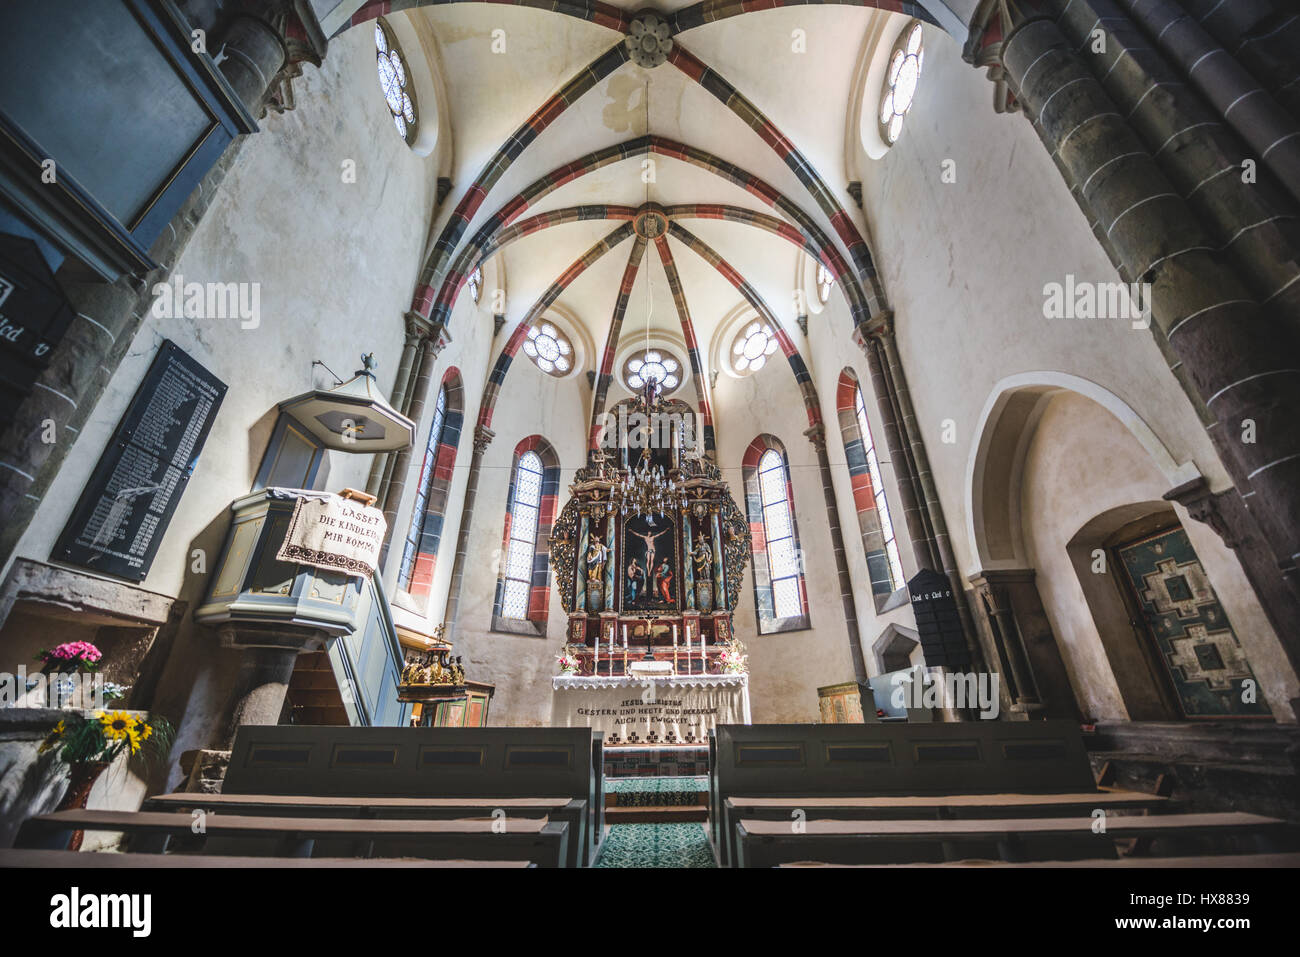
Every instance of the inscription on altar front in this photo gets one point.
(120, 518)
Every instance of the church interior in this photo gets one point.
(709, 434)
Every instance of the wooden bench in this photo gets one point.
(480, 767)
(1163, 863)
(768, 843)
(481, 839)
(803, 761)
(85, 860)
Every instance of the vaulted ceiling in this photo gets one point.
(748, 113)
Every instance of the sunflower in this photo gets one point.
(120, 726)
(52, 738)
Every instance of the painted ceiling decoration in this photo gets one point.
(800, 207)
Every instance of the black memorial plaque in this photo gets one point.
(937, 622)
(123, 512)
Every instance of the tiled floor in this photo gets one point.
(656, 845)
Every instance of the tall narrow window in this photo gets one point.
(780, 595)
(524, 510)
(782, 556)
(424, 534)
(418, 516)
(878, 490)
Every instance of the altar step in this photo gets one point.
(657, 792)
(663, 814)
(647, 762)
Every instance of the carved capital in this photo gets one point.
(438, 338)
(991, 24)
(483, 437)
(1212, 508)
(879, 326)
(817, 436)
(417, 327)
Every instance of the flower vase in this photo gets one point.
(82, 777)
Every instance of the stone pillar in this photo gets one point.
(267, 658)
(817, 436)
(1238, 356)
(482, 438)
(1005, 637)
(941, 547)
(719, 573)
(913, 517)
(433, 344)
(415, 327)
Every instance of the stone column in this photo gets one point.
(1022, 691)
(433, 344)
(941, 546)
(482, 438)
(719, 573)
(817, 436)
(609, 565)
(1238, 356)
(267, 658)
(415, 330)
(913, 517)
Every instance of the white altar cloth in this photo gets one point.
(650, 709)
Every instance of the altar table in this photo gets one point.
(650, 710)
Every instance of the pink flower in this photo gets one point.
(74, 651)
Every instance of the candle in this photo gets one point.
(674, 636)
(595, 657)
(625, 637)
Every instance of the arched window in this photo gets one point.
(780, 594)
(523, 587)
(420, 554)
(878, 541)
(901, 77)
(825, 283)
(752, 346)
(395, 82)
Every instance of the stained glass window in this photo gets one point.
(549, 349)
(522, 548)
(394, 81)
(413, 534)
(752, 346)
(825, 282)
(900, 82)
(778, 529)
(653, 365)
(878, 488)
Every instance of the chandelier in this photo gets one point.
(647, 490)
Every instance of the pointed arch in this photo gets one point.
(606, 373)
(424, 532)
(780, 592)
(522, 601)
(692, 347)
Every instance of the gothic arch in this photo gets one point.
(995, 467)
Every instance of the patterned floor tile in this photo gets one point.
(656, 845)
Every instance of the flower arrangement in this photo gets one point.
(568, 660)
(733, 659)
(103, 735)
(72, 656)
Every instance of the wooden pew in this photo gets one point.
(898, 759)
(109, 861)
(481, 766)
(1159, 863)
(529, 839)
(768, 843)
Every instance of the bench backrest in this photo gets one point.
(975, 757)
(414, 762)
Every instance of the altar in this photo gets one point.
(649, 553)
(645, 710)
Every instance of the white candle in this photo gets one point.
(674, 636)
(625, 637)
(595, 660)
